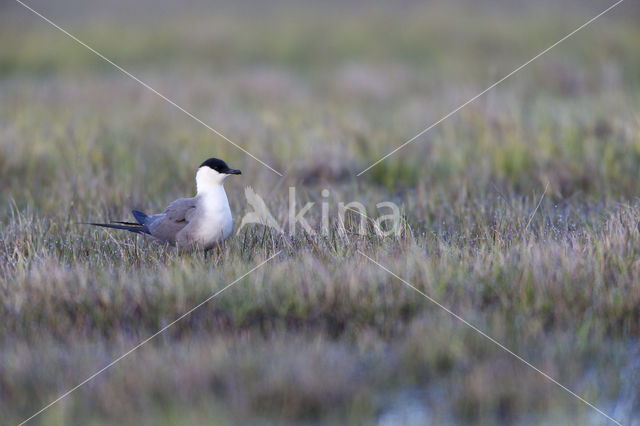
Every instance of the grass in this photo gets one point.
(320, 334)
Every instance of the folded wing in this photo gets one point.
(165, 226)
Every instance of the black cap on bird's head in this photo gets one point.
(220, 167)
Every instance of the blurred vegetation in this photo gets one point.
(320, 334)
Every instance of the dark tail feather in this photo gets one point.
(138, 229)
(140, 217)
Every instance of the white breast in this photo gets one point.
(217, 223)
(212, 222)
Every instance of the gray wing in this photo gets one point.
(166, 225)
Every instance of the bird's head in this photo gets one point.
(212, 173)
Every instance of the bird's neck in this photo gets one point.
(210, 190)
(209, 181)
(213, 197)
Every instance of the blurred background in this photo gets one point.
(322, 90)
(319, 91)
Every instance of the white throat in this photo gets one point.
(209, 181)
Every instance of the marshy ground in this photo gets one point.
(320, 334)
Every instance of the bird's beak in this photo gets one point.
(233, 172)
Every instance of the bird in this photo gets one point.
(200, 222)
